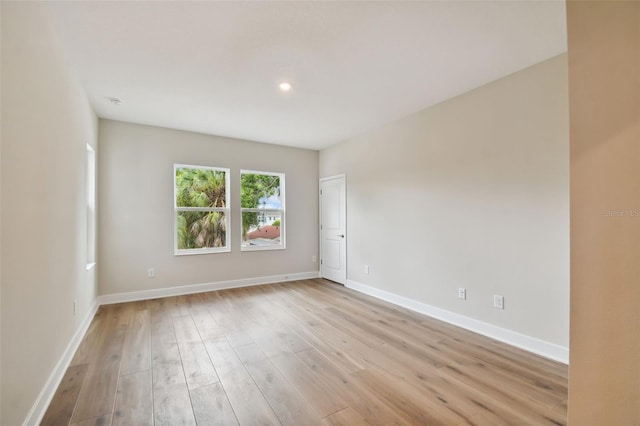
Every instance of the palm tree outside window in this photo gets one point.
(201, 205)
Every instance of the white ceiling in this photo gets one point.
(214, 67)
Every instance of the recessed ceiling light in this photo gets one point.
(284, 86)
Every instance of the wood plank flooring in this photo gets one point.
(300, 353)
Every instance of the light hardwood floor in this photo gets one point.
(298, 353)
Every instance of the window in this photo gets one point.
(91, 207)
(262, 205)
(201, 204)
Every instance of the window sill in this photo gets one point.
(262, 248)
(91, 265)
(199, 251)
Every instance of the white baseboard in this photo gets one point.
(528, 343)
(133, 296)
(39, 408)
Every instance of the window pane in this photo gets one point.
(260, 191)
(201, 230)
(261, 229)
(197, 187)
(91, 205)
(262, 202)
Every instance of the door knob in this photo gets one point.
(341, 235)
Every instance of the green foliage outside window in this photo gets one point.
(206, 189)
(256, 188)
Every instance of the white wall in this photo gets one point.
(470, 193)
(136, 208)
(46, 124)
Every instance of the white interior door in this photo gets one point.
(333, 229)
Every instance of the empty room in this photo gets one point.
(320, 212)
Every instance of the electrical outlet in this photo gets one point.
(366, 269)
(314, 259)
(462, 293)
(498, 301)
(151, 273)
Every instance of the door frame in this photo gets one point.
(346, 253)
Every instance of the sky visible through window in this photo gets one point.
(273, 202)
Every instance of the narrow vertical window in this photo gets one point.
(263, 210)
(201, 205)
(91, 207)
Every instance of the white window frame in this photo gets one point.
(226, 210)
(281, 211)
(91, 207)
